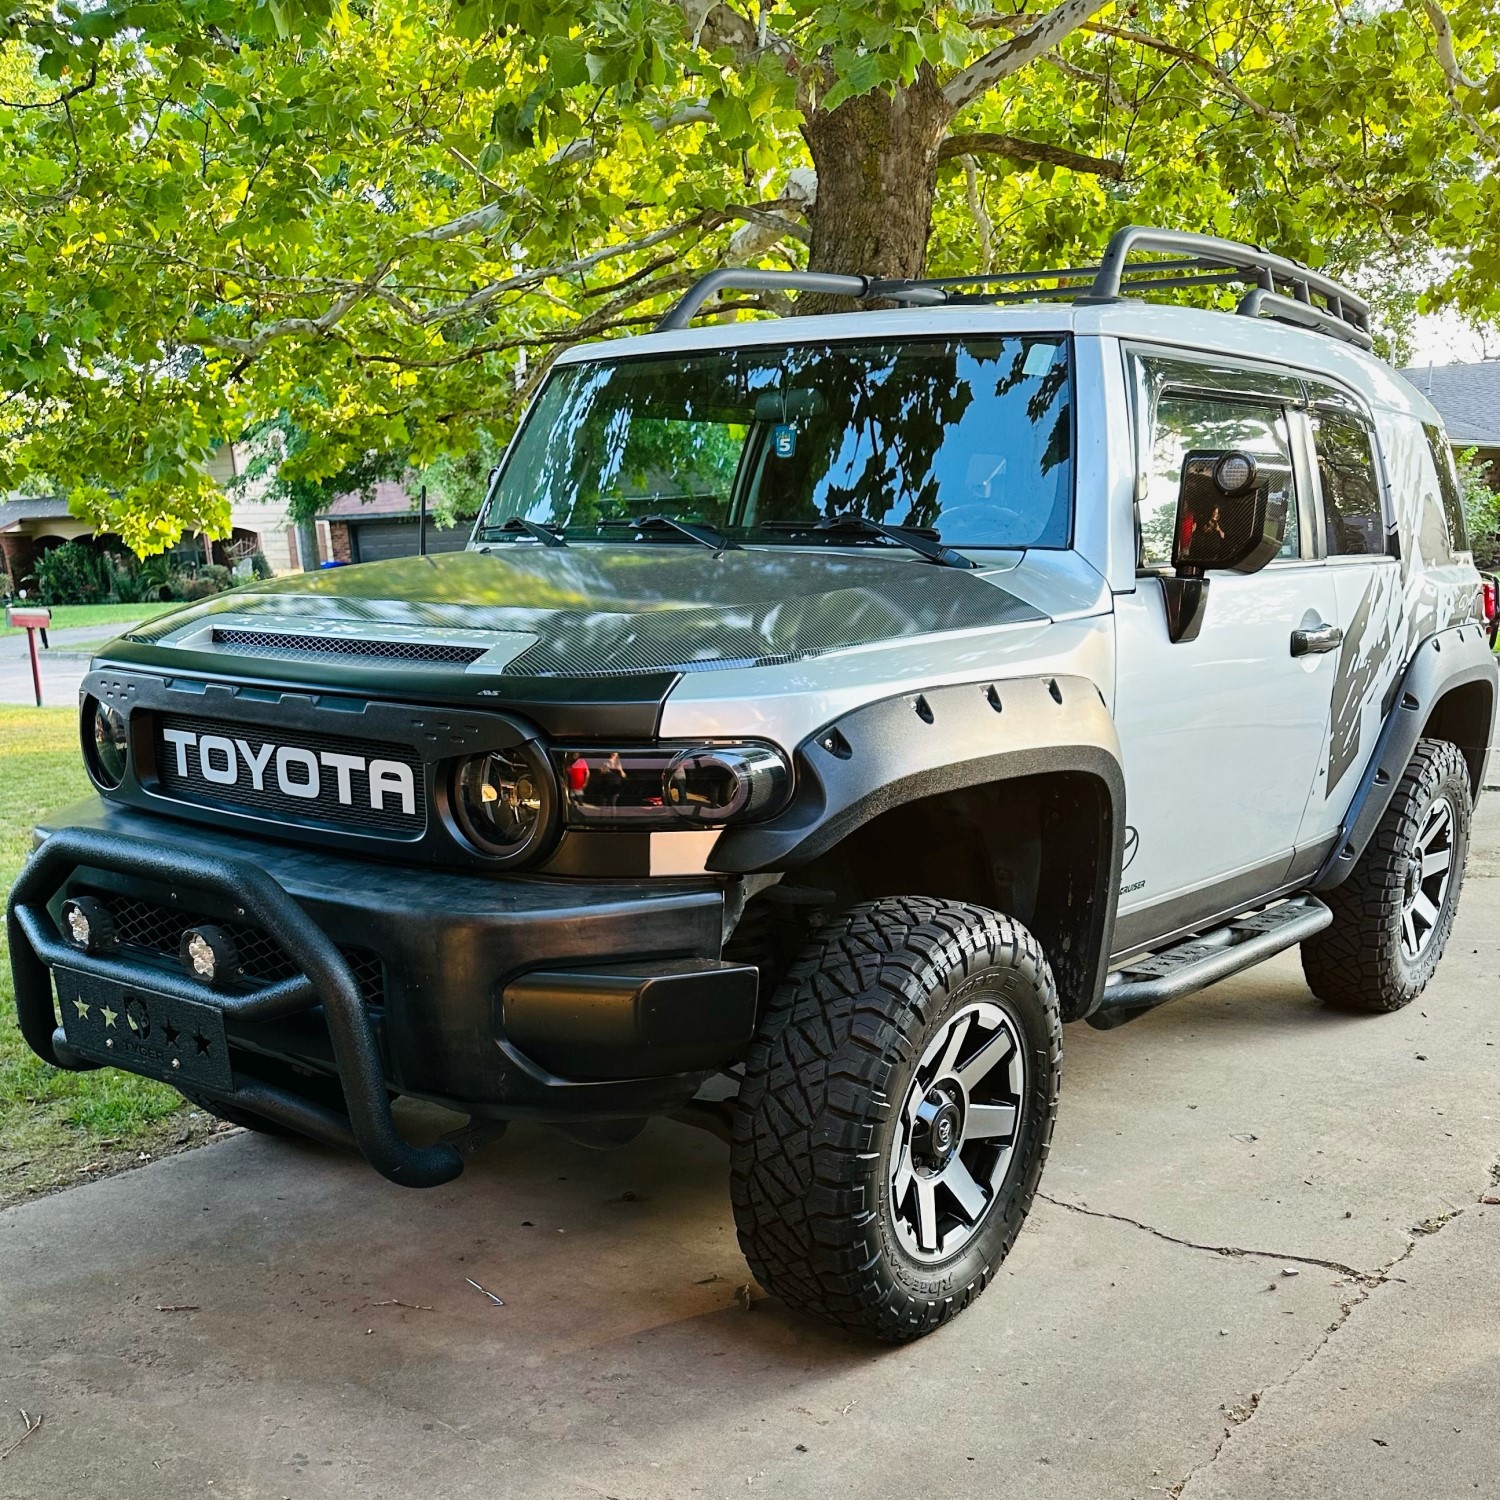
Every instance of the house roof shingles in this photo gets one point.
(1468, 396)
(32, 508)
(388, 498)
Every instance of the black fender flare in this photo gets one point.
(916, 745)
(1444, 661)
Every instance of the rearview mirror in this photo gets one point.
(1226, 521)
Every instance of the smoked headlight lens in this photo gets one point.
(669, 786)
(503, 801)
(105, 742)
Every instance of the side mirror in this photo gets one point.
(1226, 518)
(1226, 522)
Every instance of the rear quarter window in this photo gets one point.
(1448, 487)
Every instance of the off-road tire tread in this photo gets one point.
(846, 1015)
(1355, 963)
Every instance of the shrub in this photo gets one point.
(72, 573)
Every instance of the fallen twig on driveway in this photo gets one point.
(498, 1301)
(32, 1424)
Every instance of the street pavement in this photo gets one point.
(64, 665)
(1263, 1266)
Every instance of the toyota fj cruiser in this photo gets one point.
(825, 709)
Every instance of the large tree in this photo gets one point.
(374, 219)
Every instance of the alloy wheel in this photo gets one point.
(957, 1131)
(1429, 873)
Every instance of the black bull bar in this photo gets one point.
(325, 983)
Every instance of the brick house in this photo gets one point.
(355, 529)
(33, 524)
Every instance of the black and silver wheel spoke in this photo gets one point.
(957, 1130)
(1429, 872)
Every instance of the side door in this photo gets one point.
(1222, 736)
(1357, 535)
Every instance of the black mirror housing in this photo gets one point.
(1226, 518)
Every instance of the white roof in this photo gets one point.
(1198, 329)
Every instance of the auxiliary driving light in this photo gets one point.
(87, 924)
(208, 953)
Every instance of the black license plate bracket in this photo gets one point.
(136, 1028)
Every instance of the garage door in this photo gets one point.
(374, 541)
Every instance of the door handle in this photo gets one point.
(1319, 639)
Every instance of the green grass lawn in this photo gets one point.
(59, 1128)
(66, 615)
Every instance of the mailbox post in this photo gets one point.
(31, 618)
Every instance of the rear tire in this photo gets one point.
(1392, 917)
(896, 1113)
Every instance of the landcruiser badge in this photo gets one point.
(298, 773)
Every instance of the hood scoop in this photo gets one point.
(283, 643)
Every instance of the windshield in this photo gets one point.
(968, 437)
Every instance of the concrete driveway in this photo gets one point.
(1265, 1267)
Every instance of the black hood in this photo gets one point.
(590, 610)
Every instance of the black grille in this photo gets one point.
(326, 810)
(277, 643)
(157, 930)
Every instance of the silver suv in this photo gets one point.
(824, 711)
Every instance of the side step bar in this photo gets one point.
(1204, 959)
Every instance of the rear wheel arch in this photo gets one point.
(1465, 715)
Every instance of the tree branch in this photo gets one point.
(586, 147)
(1442, 35)
(1017, 51)
(72, 93)
(323, 325)
(1220, 75)
(979, 143)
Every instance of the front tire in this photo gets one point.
(896, 1113)
(1392, 917)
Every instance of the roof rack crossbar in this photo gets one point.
(860, 288)
(1281, 289)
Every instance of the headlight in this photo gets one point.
(671, 786)
(106, 746)
(503, 802)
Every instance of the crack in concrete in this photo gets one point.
(1373, 1278)
(1240, 1414)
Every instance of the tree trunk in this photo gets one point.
(876, 157)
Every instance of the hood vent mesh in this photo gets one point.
(278, 643)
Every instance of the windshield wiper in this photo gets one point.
(548, 536)
(705, 536)
(929, 547)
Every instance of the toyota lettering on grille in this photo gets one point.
(384, 786)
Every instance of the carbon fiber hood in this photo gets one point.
(523, 611)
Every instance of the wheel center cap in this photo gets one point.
(1413, 881)
(937, 1131)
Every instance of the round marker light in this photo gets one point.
(503, 802)
(87, 924)
(106, 743)
(208, 953)
(1235, 473)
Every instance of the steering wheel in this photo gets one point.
(985, 518)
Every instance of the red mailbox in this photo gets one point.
(31, 618)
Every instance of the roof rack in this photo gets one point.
(1280, 289)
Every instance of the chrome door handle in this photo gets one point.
(1313, 642)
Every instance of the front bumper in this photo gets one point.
(498, 996)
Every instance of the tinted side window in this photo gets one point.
(1353, 521)
(1453, 495)
(1186, 422)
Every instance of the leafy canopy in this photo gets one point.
(372, 222)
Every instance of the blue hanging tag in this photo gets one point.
(784, 439)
